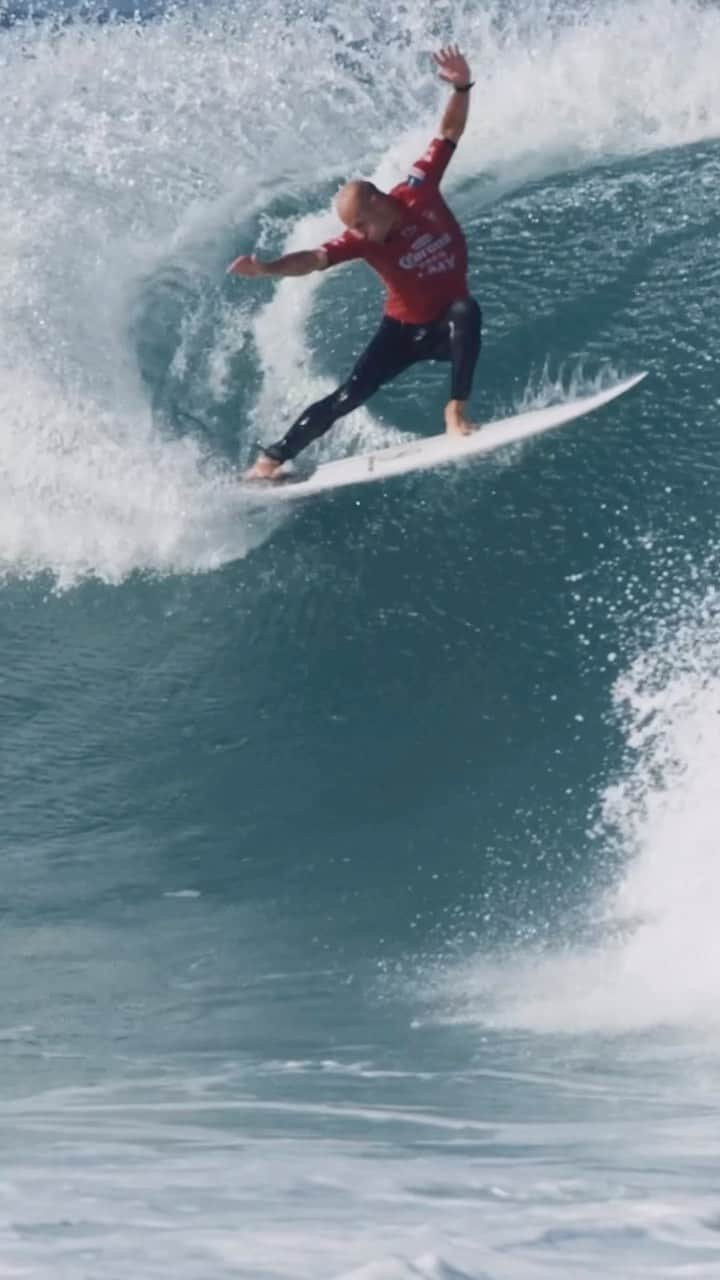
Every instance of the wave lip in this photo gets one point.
(208, 147)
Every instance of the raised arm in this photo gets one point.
(291, 264)
(454, 68)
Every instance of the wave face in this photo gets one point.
(359, 861)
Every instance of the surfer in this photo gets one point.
(411, 239)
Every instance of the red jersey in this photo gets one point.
(423, 262)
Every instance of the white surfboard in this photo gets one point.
(437, 451)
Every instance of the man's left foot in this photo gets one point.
(264, 468)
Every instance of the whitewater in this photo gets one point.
(360, 863)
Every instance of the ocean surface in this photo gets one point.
(360, 862)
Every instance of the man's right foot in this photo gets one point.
(264, 468)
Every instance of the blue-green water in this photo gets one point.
(360, 863)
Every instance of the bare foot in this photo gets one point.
(264, 468)
(457, 425)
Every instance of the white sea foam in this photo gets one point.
(158, 139)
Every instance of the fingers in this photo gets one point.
(242, 266)
(451, 63)
(447, 54)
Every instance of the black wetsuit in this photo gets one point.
(455, 337)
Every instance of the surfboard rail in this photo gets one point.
(423, 453)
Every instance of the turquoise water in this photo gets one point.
(360, 862)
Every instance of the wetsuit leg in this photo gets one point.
(388, 354)
(459, 338)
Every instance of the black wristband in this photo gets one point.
(463, 88)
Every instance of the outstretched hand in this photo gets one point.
(452, 66)
(246, 265)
